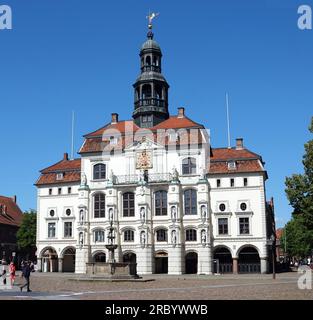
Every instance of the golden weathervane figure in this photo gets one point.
(150, 17)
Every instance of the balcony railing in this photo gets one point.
(151, 68)
(147, 102)
(149, 178)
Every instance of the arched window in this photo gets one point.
(99, 205)
(146, 91)
(161, 235)
(148, 61)
(129, 235)
(189, 166)
(99, 171)
(158, 92)
(190, 199)
(155, 61)
(100, 257)
(161, 203)
(128, 204)
(191, 235)
(99, 236)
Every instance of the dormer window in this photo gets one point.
(231, 165)
(99, 171)
(189, 166)
(60, 176)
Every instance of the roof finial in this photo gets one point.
(150, 18)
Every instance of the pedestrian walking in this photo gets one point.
(26, 275)
(12, 271)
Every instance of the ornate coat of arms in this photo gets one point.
(144, 160)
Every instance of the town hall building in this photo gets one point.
(177, 205)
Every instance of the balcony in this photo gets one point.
(158, 104)
(151, 68)
(148, 178)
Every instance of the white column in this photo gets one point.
(264, 265)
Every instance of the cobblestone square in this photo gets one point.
(58, 286)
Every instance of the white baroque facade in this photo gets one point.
(177, 204)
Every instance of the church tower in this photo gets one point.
(151, 88)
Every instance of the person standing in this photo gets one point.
(12, 270)
(26, 275)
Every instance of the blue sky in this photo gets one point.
(83, 56)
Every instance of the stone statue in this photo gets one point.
(81, 216)
(111, 176)
(203, 212)
(203, 237)
(142, 176)
(142, 214)
(174, 238)
(175, 174)
(111, 214)
(83, 179)
(81, 239)
(202, 174)
(143, 238)
(173, 213)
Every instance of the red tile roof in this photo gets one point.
(64, 165)
(10, 214)
(70, 168)
(246, 161)
(173, 122)
(233, 153)
(98, 141)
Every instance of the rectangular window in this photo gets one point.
(244, 226)
(191, 235)
(162, 235)
(69, 190)
(245, 182)
(59, 190)
(67, 229)
(50, 192)
(222, 226)
(128, 204)
(218, 183)
(232, 182)
(51, 230)
(161, 203)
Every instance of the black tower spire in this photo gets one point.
(151, 88)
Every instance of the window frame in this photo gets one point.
(244, 225)
(128, 210)
(189, 168)
(129, 235)
(190, 208)
(161, 208)
(95, 233)
(221, 227)
(191, 235)
(99, 213)
(99, 174)
(66, 229)
(52, 229)
(159, 237)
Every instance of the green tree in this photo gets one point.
(299, 190)
(26, 235)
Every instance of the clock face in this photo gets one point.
(144, 160)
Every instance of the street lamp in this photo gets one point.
(273, 241)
